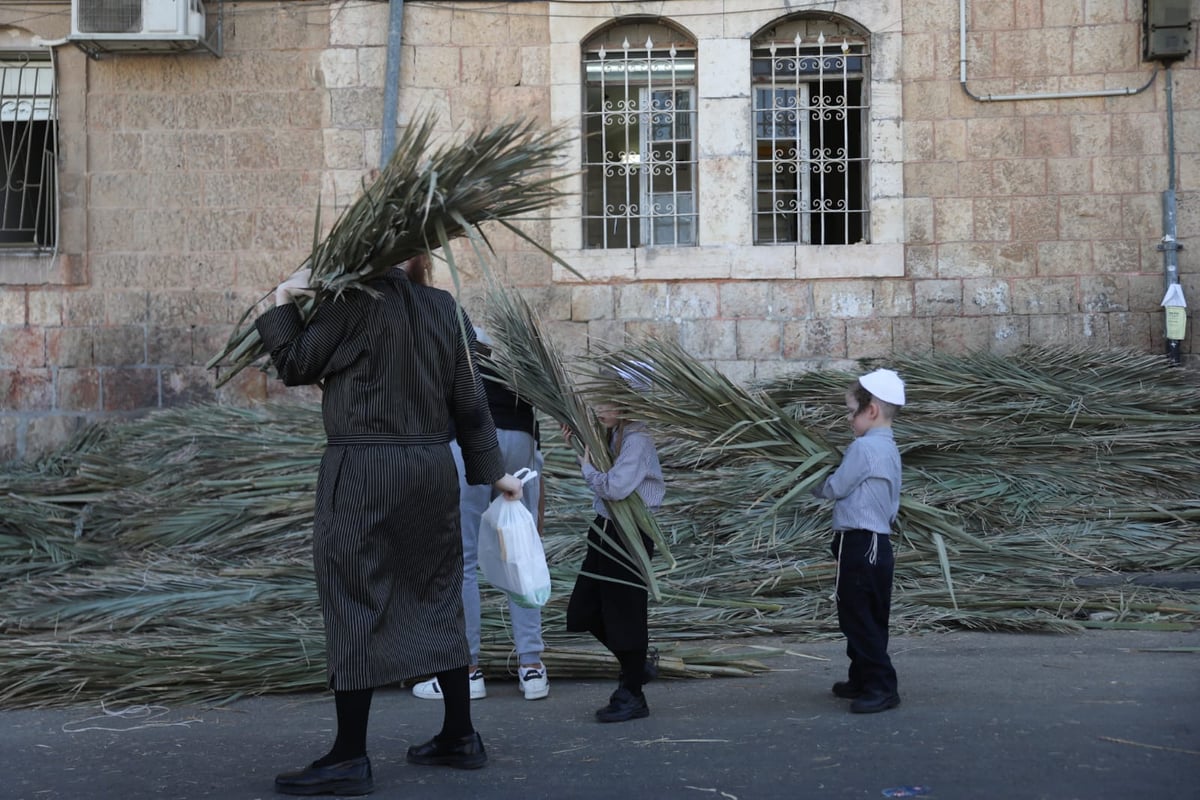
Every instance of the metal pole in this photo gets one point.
(391, 85)
(1170, 243)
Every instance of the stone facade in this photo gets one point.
(189, 185)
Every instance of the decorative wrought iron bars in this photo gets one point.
(810, 142)
(639, 146)
(28, 152)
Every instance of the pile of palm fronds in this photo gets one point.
(168, 557)
(423, 198)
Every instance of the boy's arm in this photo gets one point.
(853, 470)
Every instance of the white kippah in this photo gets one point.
(884, 384)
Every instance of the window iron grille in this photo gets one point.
(639, 147)
(810, 157)
(28, 153)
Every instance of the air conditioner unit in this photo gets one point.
(137, 25)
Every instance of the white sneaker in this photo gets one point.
(430, 690)
(533, 682)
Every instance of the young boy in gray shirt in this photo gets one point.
(866, 494)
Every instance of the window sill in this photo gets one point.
(736, 262)
(27, 269)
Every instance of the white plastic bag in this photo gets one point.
(510, 550)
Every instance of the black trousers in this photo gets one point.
(614, 611)
(864, 603)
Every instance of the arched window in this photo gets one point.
(28, 151)
(639, 125)
(810, 102)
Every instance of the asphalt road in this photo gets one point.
(1106, 714)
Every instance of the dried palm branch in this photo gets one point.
(533, 367)
(423, 198)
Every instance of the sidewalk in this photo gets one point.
(1099, 715)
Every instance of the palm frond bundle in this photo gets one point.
(534, 367)
(189, 576)
(423, 198)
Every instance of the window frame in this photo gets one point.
(19, 99)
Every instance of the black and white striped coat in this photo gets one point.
(387, 548)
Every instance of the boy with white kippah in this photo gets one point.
(865, 489)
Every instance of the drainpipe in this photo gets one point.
(391, 83)
(1170, 246)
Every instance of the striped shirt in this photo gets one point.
(635, 469)
(866, 486)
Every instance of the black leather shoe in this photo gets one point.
(347, 778)
(464, 753)
(870, 704)
(848, 690)
(623, 705)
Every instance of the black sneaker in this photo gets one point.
(624, 705)
(848, 690)
(870, 704)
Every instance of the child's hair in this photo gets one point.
(865, 398)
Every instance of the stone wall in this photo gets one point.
(189, 186)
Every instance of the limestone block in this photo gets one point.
(183, 386)
(725, 207)
(1089, 330)
(953, 219)
(129, 308)
(965, 260)
(12, 435)
(1046, 136)
(714, 78)
(187, 308)
(758, 338)
(818, 338)
(1105, 292)
(708, 339)
(1115, 257)
(12, 306)
(353, 25)
(920, 261)
(535, 65)
(339, 67)
(45, 307)
(992, 218)
(931, 179)
(919, 218)
(549, 301)
(842, 299)
(868, 338)
(120, 346)
(919, 140)
(220, 229)
(23, 346)
(886, 142)
(1139, 134)
(985, 296)
(604, 335)
(1015, 259)
(129, 388)
(355, 108)
(1098, 48)
(527, 269)
(642, 301)
(1091, 134)
(693, 301)
(591, 302)
(740, 372)
(83, 309)
(1043, 296)
(719, 135)
(673, 263)
(1019, 176)
(1090, 216)
(534, 102)
(739, 298)
(470, 27)
(851, 261)
(168, 345)
(277, 229)
(995, 138)
(1131, 330)
(46, 433)
(1035, 218)
(790, 300)
(937, 298)
(570, 337)
(77, 389)
(912, 336)
(766, 261)
(959, 335)
(70, 347)
(26, 389)
(426, 24)
(207, 111)
(893, 298)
